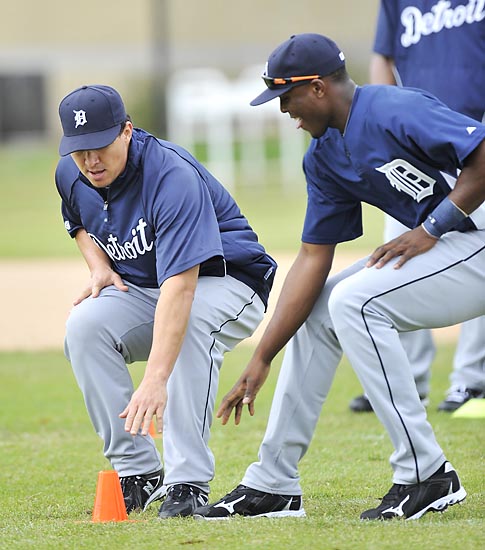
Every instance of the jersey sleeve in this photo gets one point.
(66, 174)
(386, 28)
(184, 221)
(331, 215)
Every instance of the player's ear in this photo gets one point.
(319, 86)
(127, 130)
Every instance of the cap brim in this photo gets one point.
(86, 142)
(268, 94)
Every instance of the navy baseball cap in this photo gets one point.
(297, 61)
(91, 117)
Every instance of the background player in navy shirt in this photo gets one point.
(440, 47)
(178, 278)
(394, 148)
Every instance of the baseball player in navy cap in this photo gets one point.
(399, 150)
(178, 278)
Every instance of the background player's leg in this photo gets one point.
(469, 365)
(468, 376)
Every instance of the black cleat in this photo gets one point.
(458, 396)
(244, 501)
(182, 499)
(435, 494)
(140, 491)
(361, 404)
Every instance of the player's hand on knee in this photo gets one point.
(244, 392)
(101, 279)
(406, 246)
(87, 291)
(118, 283)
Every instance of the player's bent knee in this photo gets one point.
(83, 326)
(345, 303)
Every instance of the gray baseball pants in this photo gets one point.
(469, 361)
(361, 311)
(104, 334)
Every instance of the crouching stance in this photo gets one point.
(178, 278)
(404, 152)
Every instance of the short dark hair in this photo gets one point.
(340, 75)
(123, 124)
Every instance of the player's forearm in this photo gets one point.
(301, 289)
(469, 191)
(170, 324)
(92, 254)
(381, 70)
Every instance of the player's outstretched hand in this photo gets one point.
(244, 391)
(147, 401)
(406, 246)
(101, 279)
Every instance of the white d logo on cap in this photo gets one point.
(80, 118)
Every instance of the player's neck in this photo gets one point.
(343, 105)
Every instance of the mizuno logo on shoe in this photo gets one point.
(229, 506)
(398, 509)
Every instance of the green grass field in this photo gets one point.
(50, 458)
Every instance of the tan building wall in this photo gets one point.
(124, 42)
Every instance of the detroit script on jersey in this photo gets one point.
(438, 47)
(136, 246)
(442, 15)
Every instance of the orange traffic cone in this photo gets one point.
(153, 432)
(109, 504)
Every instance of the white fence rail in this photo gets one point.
(204, 106)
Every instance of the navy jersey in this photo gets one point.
(437, 46)
(163, 215)
(399, 147)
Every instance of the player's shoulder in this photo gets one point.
(378, 95)
(67, 173)
(66, 164)
(165, 166)
(380, 104)
(166, 154)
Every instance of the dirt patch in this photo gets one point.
(36, 298)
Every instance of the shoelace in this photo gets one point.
(128, 481)
(181, 492)
(393, 493)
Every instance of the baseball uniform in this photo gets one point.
(164, 214)
(397, 148)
